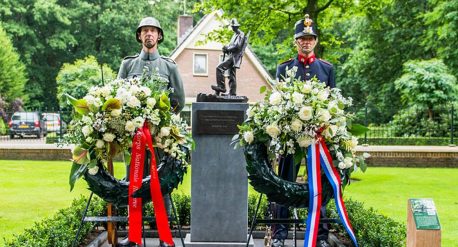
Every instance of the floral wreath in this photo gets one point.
(294, 115)
(104, 125)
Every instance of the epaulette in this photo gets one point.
(130, 57)
(324, 61)
(287, 61)
(168, 59)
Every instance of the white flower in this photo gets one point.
(297, 98)
(272, 130)
(251, 112)
(134, 89)
(323, 115)
(99, 144)
(116, 112)
(165, 131)
(304, 141)
(348, 162)
(151, 102)
(339, 156)
(93, 170)
(342, 165)
(87, 120)
(87, 130)
(248, 137)
(275, 98)
(105, 91)
(108, 137)
(146, 91)
(296, 125)
(307, 88)
(323, 95)
(138, 121)
(130, 126)
(354, 142)
(306, 113)
(133, 102)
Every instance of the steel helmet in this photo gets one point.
(149, 22)
(304, 27)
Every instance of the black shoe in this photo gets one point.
(162, 244)
(322, 243)
(218, 89)
(278, 243)
(126, 243)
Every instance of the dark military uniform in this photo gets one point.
(134, 66)
(307, 68)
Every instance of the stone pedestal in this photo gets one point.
(219, 184)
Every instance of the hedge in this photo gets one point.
(371, 228)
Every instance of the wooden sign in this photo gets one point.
(423, 227)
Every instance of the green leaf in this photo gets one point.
(262, 89)
(357, 129)
(164, 102)
(111, 104)
(80, 105)
(76, 172)
(298, 156)
(81, 156)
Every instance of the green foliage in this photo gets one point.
(77, 78)
(12, 70)
(425, 88)
(59, 229)
(3, 127)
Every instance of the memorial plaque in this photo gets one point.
(424, 214)
(215, 122)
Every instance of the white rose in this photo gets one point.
(105, 91)
(165, 131)
(146, 91)
(93, 170)
(304, 141)
(296, 125)
(273, 130)
(307, 88)
(342, 165)
(134, 89)
(339, 155)
(116, 112)
(133, 102)
(138, 121)
(151, 102)
(297, 98)
(306, 113)
(248, 137)
(87, 130)
(275, 98)
(130, 126)
(99, 144)
(323, 95)
(323, 115)
(348, 162)
(108, 137)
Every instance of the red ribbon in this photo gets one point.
(141, 140)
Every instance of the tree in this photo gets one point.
(426, 89)
(12, 70)
(77, 78)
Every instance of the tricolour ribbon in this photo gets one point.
(318, 155)
(143, 139)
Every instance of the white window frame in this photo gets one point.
(205, 73)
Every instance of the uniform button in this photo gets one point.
(306, 66)
(307, 74)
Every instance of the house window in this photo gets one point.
(200, 64)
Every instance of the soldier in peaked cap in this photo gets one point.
(150, 34)
(308, 66)
(233, 54)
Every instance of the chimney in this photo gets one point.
(184, 27)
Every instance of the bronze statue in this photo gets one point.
(232, 59)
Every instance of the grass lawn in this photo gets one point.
(388, 189)
(32, 190)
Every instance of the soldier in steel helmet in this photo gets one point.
(150, 34)
(308, 66)
(233, 54)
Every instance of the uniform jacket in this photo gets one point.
(234, 49)
(133, 66)
(323, 70)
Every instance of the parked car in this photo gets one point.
(54, 123)
(27, 123)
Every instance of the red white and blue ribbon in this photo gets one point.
(143, 139)
(319, 156)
